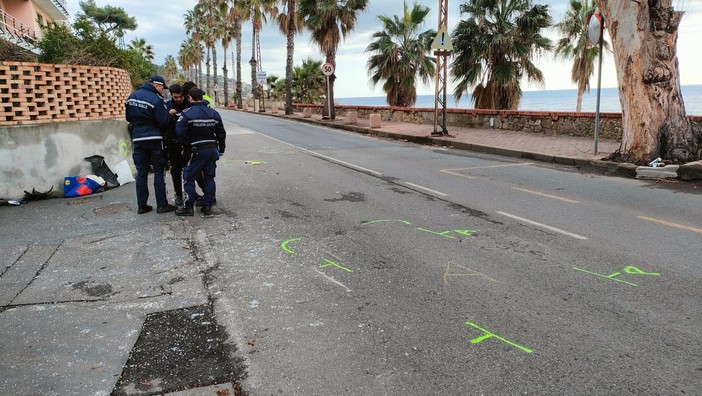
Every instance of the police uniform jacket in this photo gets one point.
(200, 126)
(146, 112)
(178, 107)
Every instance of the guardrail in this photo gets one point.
(13, 27)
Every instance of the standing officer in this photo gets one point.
(201, 127)
(147, 114)
(175, 105)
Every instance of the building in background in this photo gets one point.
(21, 20)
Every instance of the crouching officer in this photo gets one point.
(200, 127)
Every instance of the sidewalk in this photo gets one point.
(561, 149)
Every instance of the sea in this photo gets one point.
(545, 100)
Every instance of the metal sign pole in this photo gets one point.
(597, 106)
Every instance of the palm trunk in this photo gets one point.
(579, 100)
(253, 64)
(290, 57)
(331, 58)
(239, 90)
(216, 80)
(225, 75)
(208, 75)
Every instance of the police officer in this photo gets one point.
(175, 105)
(201, 127)
(148, 116)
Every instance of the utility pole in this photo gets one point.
(442, 49)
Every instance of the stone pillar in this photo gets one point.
(307, 112)
(351, 117)
(374, 120)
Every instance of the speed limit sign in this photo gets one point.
(327, 69)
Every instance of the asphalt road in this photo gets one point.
(343, 264)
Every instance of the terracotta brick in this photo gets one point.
(34, 93)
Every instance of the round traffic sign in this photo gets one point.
(327, 69)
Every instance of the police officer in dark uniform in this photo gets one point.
(148, 116)
(175, 105)
(202, 128)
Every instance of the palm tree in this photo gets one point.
(308, 82)
(231, 29)
(400, 54)
(170, 69)
(574, 45)
(190, 57)
(330, 21)
(139, 46)
(494, 50)
(194, 28)
(255, 11)
(289, 22)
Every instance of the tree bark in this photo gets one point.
(644, 38)
(290, 54)
(239, 91)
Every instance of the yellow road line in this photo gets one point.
(669, 224)
(545, 195)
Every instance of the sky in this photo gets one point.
(162, 27)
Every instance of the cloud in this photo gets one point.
(162, 27)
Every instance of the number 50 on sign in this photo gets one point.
(327, 69)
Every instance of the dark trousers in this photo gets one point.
(203, 162)
(178, 161)
(143, 156)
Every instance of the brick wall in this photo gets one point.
(35, 93)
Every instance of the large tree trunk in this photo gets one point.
(644, 38)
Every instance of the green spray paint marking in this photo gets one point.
(384, 221)
(331, 263)
(284, 245)
(489, 334)
(124, 149)
(465, 232)
(612, 277)
(629, 269)
(443, 234)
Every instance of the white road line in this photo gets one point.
(554, 229)
(331, 159)
(330, 279)
(350, 165)
(426, 189)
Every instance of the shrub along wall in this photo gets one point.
(34, 93)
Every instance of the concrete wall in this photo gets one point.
(39, 156)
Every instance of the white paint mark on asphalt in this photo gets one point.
(426, 189)
(334, 281)
(554, 229)
(340, 162)
(330, 159)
